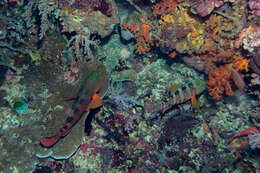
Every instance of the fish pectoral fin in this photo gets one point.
(194, 102)
(95, 102)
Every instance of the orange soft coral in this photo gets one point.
(132, 27)
(142, 36)
(141, 46)
(219, 82)
(144, 32)
(241, 64)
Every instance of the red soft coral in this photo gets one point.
(219, 81)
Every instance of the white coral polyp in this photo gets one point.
(251, 41)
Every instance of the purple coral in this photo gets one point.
(205, 7)
(255, 6)
(88, 6)
(93, 5)
(202, 7)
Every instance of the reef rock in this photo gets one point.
(78, 20)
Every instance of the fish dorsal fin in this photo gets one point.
(194, 102)
(95, 102)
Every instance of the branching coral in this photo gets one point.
(47, 11)
(219, 81)
(82, 40)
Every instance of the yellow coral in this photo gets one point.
(166, 19)
(196, 37)
(180, 20)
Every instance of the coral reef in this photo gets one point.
(129, 86)
(76, 18)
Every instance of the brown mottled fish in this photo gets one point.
(187, 91)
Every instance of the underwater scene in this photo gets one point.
(129, 86)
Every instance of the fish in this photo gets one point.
(87, 98)
(187, 91)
